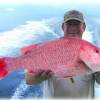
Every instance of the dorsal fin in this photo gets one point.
(27, 49)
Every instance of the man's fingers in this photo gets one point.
(44, 74)
(49, 73)
(39, 73)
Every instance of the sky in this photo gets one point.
(50, 2)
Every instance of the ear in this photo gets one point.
(62, 26)
(83, 27)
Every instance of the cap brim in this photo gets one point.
(73, 19)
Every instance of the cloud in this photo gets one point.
(87, 36)
(26, 34)
(10, 9)
(94, 29)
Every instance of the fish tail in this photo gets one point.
(3, 69)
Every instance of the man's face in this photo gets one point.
(73, 28)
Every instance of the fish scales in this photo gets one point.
(65, 57)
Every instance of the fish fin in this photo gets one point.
(27, 49)
(3, 71)
(30, 71)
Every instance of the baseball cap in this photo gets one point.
(73, 15)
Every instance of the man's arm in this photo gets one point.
(38, 77)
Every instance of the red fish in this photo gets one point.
(66, 57)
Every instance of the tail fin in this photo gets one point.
(3, 71)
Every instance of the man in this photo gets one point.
(77, 87)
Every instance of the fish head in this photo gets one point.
(90, 55)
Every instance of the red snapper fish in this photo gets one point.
(66, 57)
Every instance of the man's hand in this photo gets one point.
(38, 77)
(43, 75)
(97, 77)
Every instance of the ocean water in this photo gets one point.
(24, 25)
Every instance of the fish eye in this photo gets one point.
(97, 51)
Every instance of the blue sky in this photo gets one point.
(16, 12)
(49, 2)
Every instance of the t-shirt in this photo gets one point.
(81, 87)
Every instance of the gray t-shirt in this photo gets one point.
(81, 87)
